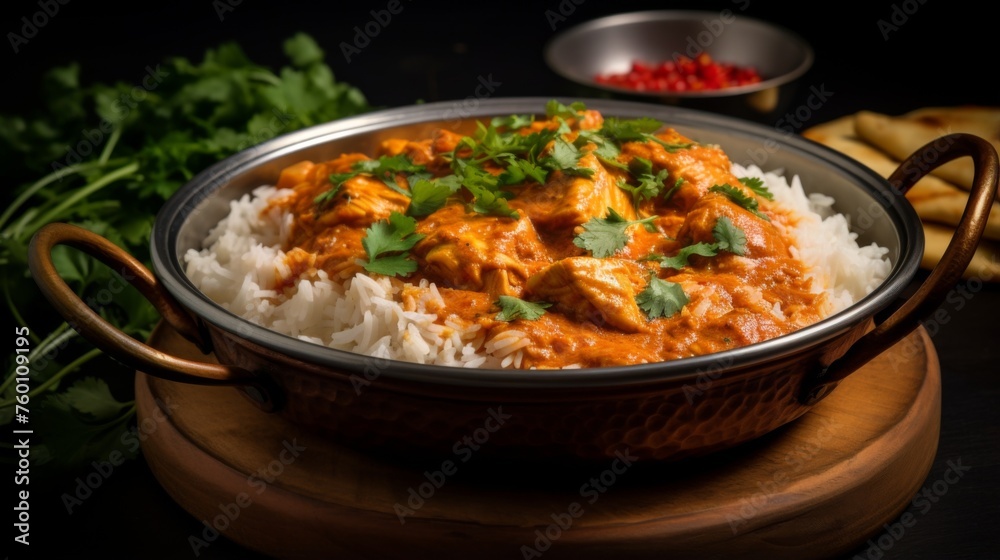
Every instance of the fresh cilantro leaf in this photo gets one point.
(634, 130)
(337, 180)
(680, 260)
(487, 198)
(512, 122)
(604, 237)
(519, 170)
(385, 168)
(386, 243)
(638, 130)
(565, 157)
(661, 298)
(93, 397)
(303, 50)
(195, 113)
(428, 196)
(649, 186)
(492, 203)
(556, 109)
(757, 185)
(728, 237)
(512, 308)
(606, 151)
(739, 197)
(673, 189)
(83, 423)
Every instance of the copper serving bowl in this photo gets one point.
(662, 411)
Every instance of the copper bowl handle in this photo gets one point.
(105, 336)
(946, 273)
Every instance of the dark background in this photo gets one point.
(944, 54)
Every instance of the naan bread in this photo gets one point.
(985, 264)
(901, 136)
(939, 203)
(934, 200)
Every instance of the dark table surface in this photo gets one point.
(936, 54)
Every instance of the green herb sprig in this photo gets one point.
(604, 237)
(139, 151)
(512, 308)
(387, 244)
(728, 237)
(739, 197)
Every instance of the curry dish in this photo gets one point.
(606, 242)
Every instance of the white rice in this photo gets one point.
(370, 315)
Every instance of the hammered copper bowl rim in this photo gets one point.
(169, 268)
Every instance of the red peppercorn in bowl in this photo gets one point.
(715, 61)
(701, 73)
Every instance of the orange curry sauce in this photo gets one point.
(593, 319)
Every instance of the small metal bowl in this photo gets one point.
(611, 44)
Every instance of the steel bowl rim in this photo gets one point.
(807, 62)
(169, 270)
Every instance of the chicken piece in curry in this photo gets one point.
(605, 241)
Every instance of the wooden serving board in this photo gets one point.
(816, 488)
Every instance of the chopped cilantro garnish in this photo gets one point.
(661, 298)
(512, 308)
(565, 157)
(556, 109)
(638, 130)
(512, 122)
(429, 195)
(650, 185)
(520, 170)
(604, 237)
(680, 260)
(739, 197)
(673, 189)
(606, 151)
(727, 236)
(757, 185)
(385, 168)
(487, 197)
(634, 130)
(387, 244)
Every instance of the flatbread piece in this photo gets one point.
(903, 135)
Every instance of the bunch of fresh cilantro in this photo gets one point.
(106, 157)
